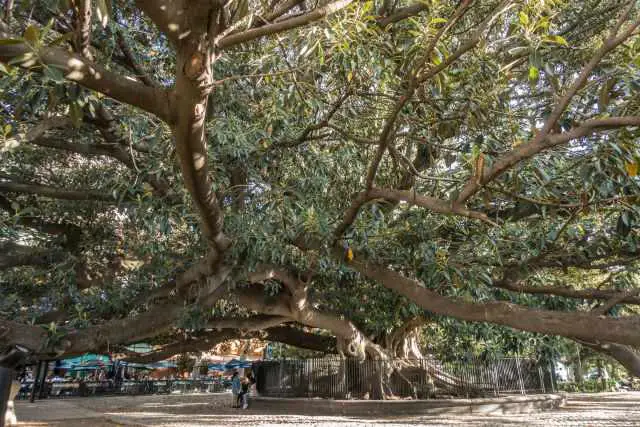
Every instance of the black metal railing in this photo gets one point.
(419, 378)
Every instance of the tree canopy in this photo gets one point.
(189, 171)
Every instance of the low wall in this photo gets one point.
(486, 406)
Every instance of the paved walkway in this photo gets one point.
(605, 409)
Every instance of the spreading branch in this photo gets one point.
(92, 76)
(584, 326)
(402, 14)
(56, 193)
(539, 142)
(287, 24)
(32, 257)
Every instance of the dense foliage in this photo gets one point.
(486, 152)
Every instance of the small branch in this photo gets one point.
(304, 136)
(131, 61)
(615, 300)
(402, 14)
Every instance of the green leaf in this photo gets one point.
(54, 74)
(603, 96)
(439, 21)
(534, 74)
(524, 19)
(557, 40)
(32, 34)
(62, 39)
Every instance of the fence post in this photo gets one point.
(551, 368)
(36, 378)
(520, 375)
(280, 379)
(543, 388)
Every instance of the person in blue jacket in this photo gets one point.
(235, 388)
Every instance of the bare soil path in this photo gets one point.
(604, 409)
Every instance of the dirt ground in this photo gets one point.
(605, 409)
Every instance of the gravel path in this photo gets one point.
(605, 409)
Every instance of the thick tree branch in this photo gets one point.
(169, 16)
(32, 257)
(252, 323)
(207, 340)
(411, 197)
(287, 24)
(28, 336)
(297, 307)
(569, 292)
(92, 76)
(56, 193)
(628, 356)
(583, 326)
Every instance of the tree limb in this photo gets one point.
(33, 257)
(56, 193)
(538, 142)
(92, 76)
(584, 326)
(278, 27)
(168, 15)
(131, 61)
(402, 14)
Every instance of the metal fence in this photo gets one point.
(65, 389)
(421, 378)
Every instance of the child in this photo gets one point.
(244, 394)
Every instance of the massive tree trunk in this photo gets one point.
(398, 352)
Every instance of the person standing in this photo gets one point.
(246, 387)
(235, 388)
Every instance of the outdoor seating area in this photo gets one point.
(98, 375)
(79, 388)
